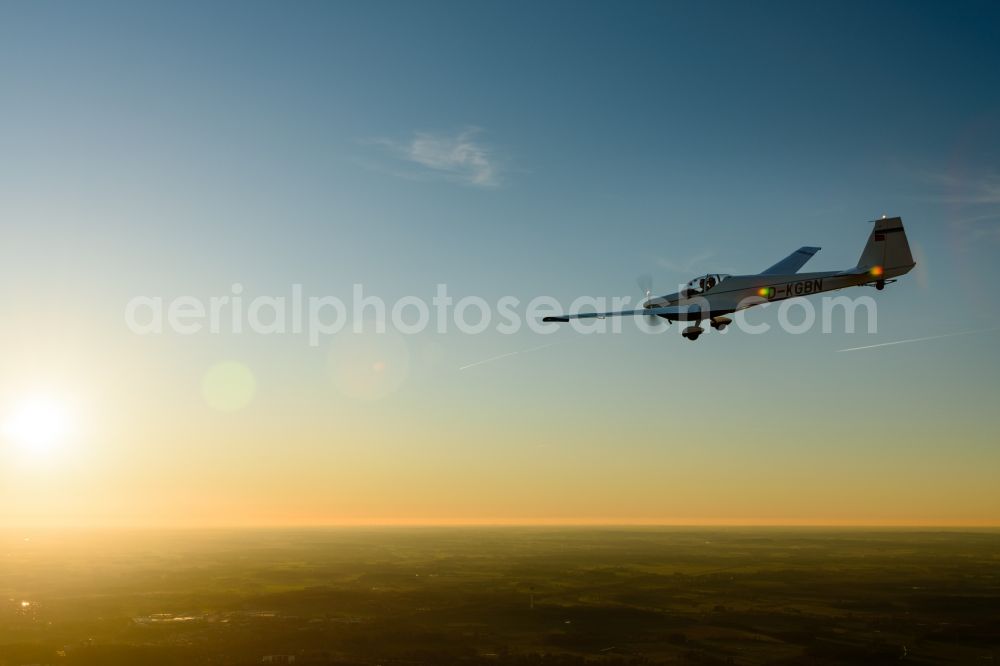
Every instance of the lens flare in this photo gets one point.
(369, 366)
(228, 386)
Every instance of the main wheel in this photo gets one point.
(692, 332)
(880, 285)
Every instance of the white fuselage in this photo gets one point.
(738, 292)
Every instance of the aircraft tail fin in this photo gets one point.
(887, 250)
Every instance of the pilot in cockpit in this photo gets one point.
(704, 283)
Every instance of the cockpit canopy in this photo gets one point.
(704, 283)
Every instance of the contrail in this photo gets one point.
(929, 337)
(540, 347)
(489, 360)
(513, 353)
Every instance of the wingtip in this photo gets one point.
(555, 319)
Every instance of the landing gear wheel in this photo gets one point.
(880, 285)
(720, 323)
(692, 332)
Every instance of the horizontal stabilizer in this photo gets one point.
(793, 262)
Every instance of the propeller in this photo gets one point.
(645, 282)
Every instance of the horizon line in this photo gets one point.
(510, 524)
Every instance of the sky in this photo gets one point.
(559, 149)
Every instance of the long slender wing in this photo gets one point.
(793, 262)
(671, 312)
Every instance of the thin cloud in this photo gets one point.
(460, 157)
(976, 199)
(983, 189)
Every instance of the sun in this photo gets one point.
(38, 424)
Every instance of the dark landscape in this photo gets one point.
(501, 596)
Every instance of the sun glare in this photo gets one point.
(38, 424)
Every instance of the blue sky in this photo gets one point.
(522, 149)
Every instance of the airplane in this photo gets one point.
(711, 297)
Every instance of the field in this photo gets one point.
(500, 596)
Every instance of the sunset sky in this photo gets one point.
(502, 149)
